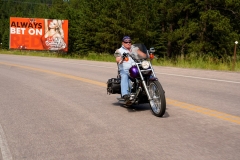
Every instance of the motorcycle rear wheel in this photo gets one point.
(158, 102)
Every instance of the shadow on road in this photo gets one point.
(139, 108)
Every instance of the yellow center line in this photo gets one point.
(212, 113)
(57, 74)
(198, 109)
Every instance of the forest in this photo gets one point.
(176, 28)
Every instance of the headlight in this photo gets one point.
(145, 64)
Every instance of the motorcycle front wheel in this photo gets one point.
(158, 102)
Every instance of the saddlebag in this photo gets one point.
(114, 86)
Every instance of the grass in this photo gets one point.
(207, 62)
(191, 61)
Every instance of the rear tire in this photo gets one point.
(158, 102)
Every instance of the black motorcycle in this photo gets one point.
(145, 86)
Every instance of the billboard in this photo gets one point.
(38, 34)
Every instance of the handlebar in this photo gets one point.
(124, 55)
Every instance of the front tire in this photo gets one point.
(158, 102)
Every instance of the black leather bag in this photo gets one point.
(114, 86)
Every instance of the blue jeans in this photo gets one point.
(125, 82)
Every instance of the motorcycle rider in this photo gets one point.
(126, 64)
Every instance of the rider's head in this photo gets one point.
(126, 42)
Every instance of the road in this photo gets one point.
(53, 108)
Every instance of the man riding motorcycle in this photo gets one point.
(125, 64)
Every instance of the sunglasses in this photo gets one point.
(127, 42)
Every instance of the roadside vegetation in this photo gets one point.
(186, 33)
(206, 62)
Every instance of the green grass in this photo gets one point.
(196, 62)
(191, 61)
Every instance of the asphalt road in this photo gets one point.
(53, 108)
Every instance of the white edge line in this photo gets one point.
(6, 154)
(177, 75)
(210, 79)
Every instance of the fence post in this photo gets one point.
(234, 55)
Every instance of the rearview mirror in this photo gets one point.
(152, 50)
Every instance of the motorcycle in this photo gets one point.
(144, 85)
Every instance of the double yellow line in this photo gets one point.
(205, 111)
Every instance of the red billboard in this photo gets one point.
(38, 34)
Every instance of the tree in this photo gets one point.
(175, 28)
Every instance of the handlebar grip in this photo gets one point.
(123, 57)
